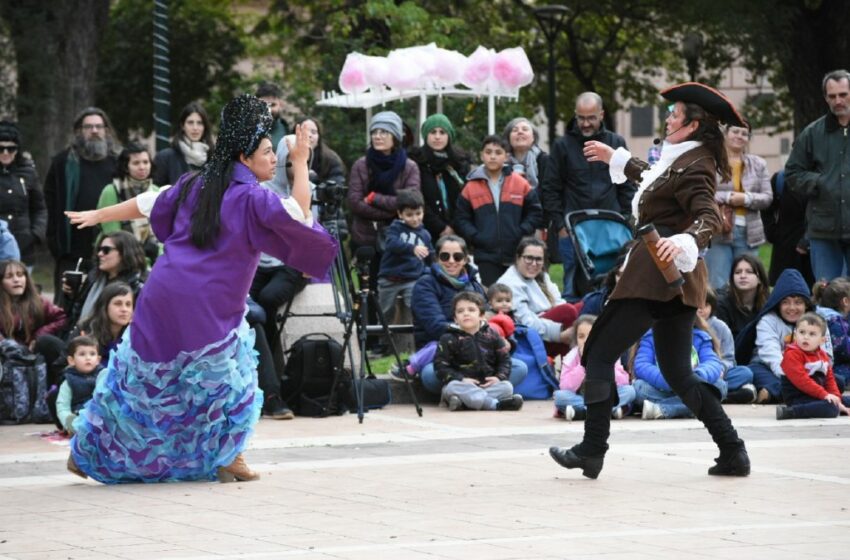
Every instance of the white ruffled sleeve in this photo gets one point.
(617, 165)
(146, 200)
(295, 212)
(687, 260)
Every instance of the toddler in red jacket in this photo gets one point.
(808, 386)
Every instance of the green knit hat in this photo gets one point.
(438, 120)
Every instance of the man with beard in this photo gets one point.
(74, 181)
(572, 183)
(273, 97)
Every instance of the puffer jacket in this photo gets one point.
(22, 206)
(707, 365)
(432, 302)
(755, 181)
(480, 355)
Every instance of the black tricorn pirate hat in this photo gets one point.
(708, 98)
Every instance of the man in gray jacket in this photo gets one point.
(572, 183)
(819, 169)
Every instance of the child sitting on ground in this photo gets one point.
(569, 402)
(474, 362)
(408, 245)
(80, 378)
(808, 386)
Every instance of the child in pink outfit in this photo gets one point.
(569, 402)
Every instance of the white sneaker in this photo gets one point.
(752, 389)
(651, 411)
(618, 413)
(569, 413)
(454, 403)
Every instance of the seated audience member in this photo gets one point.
(655, 395)
(496, 208)
(593, 302)
(762, 342)
(745, 294)
(432, 307)
(473, 362)
(833, 301)
(406, 252)
(109, 318)
(120, 258)
(27, 318)
(537, 300)
(84, 368)
(268, 379)
(132, 178)
(569, 401)
(739, 379)
(808, 384)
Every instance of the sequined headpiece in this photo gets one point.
(245, 121)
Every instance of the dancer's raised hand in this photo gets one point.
(84, 219)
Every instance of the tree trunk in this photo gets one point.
(56, 47)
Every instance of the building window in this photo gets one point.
(784, 146)
(642, 120)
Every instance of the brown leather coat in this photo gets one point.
(681, 200)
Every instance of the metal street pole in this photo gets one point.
(161, 75)
(551, 20)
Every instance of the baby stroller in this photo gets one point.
(598, 236)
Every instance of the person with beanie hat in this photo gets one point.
(442, 167)
(372, 186)
(21, 200)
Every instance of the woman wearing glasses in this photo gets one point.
(21, 200)
(372, 186)
(537, 300)
(432, 308)
(120, 258)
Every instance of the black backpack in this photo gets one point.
(315, 382)
(23, 385)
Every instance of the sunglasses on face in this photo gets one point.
(105, 250)
(8, 149)
(530, 259)
(457, 257)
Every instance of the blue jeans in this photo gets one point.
(670, 403)
(720, 255)
(568, 255)
(564, 398)
(433, 385)
(830, 258)
(764, 378)
(737, 377)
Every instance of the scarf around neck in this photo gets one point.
(195, 153)
(669, 154)
(530, 164)
(384, 169)
(456, 282)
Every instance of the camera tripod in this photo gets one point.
(351, 309)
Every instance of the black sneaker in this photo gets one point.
(514, 402)
(277, 409)
(784, 412)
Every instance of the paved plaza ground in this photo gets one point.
(463, 485)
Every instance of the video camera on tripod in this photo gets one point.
(328, 197)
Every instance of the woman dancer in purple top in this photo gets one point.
(180, 398)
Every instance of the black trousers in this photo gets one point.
(272, 288)
(622, 323)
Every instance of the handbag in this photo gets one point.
(727, 218)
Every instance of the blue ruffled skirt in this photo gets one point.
(181, 420)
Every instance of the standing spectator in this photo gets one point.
(496, 208)
(536, 301)
(741, 199)
(132, 178)
(442, 167)
(74, 181)
(572, 183)
(191, 143)
(785, 228)
(272, 95)
(744, 295)
(524, 155)
(21, 200)
(375, 179)
(819, 168)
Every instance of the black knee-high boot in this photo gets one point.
(704, 401)
(600, 397)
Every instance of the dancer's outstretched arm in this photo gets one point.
(127, 210)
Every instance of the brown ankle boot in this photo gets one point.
(237, 470)
(72, 466)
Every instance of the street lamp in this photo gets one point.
(551, 19)
(691, 49)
